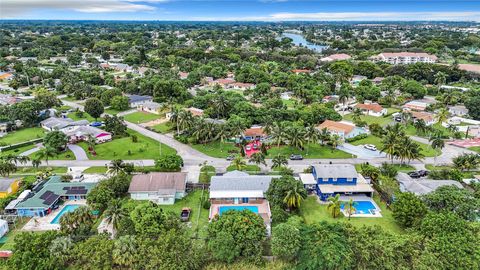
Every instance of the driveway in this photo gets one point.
(78, 152)
(360, 151)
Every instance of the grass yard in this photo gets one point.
(17, 151)
(112, 111)
(124, 148)
(97, 169)
(163, 127)
(206, 173)
(249, 168)
(66, 155)
(141, 117)
(382, 121)
(23, 135)
(312, 212)
(311, 151)
(426, 149)
(85, 116)
(217, 149)
(10, 236)
(475, 148)
(32, 170)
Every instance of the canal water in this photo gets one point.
(299, 40)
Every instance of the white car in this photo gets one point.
(370, 147)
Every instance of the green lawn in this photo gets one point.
(382, 121)
(22, 135)
(85, 116)
(312, 212)
(98, 169)
(144, 148)
(249, 168)
(17, 151)
(10, 236)
(206, 172)
(475, 148)
(66, 155)
(32, 170)
(426, 149)
(72, 98)
(163, 127)
(311, 151)
(141, 117)
(112, 111)
(216, 149)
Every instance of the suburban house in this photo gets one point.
(224, 83)
(55, 123)
(458, 110)
(82, 133)
(150, 106)
(416, 105)
(158, 187)
(428, 118)
(357, 79)
(424, 186)
(3, 227)
(7, 99)
(183, 75)
(242, 86)
(473, 68)
(342, 129)
(136, 100)
(8, 186)
(335, 57)
(405, 58)
(378, 80)
(372, 109)
(254, 133)
(6, 76)
(301, 71)
(238, 191)
(47, 196)
(332, 179)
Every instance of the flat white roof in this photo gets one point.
(359, 187)
(307, 178)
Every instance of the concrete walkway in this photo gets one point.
(78, 152)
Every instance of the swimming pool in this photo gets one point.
(362, 207)
(65, 209)
(222, 209)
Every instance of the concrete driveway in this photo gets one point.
(360, 151)
(78, 152)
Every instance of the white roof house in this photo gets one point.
(238, 184)
(55, 123)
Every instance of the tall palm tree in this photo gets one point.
(258, 158)
(278, 133)
(91, 141)
(17, 159)
(117, 166)
(279, 161)
(312, 135)
(296, 136)
(350, 208)
(335, 141)
(293, 198)
(239, 163)
(324, 135)
(114, 213)
(46, 153)
(440, 78)
(357, 115)
(36, 163)
(343, 95)
(184, 121)
(420, 126)
(7, 167)
(334, 206)
(442, 115)
(437, 143)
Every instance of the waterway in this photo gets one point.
(299, 40)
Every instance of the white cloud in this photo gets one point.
(13, 8)
(357, 16)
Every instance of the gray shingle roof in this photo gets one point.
(138, 98)
(335, 170)
(237, 180)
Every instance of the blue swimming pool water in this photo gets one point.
(66, 209)
(222, 209)
(362, 207)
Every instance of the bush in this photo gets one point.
(67, 178)
(446, 174)
(388, 170)
(134, 138)
(169, 163)
(357, 138)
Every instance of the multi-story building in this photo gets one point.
(405, 58)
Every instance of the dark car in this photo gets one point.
(418, 174)
(296, 157)
(230, 158)
(185, 214)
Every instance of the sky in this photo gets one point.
(246, 10)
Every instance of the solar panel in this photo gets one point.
(51, 199)
(77, 191)
(66, 188)
(46, 194)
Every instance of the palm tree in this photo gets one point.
(437, 143)
(296, 136)
(114, 213)
(334, 206)
(420, 126)
(335, 141)
(350, 208)
(279, 161)
(324, 135)
(7, 167)
(117, 166)
(440, 78)
(442, 115)
(343, 95)
(36, 163)
(91, 141)
(293, 198)
(258, 158)
(125, 251)
(239, 163)
(312, 135)
(357, 115)
(184, 121)
(46, 153)
(278, 133)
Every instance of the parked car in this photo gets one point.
(370, 147)
(255, 146)
(248, 147)
(96, 124)
(230, 157)
(418, 174)
(296, 157)
(185, 214)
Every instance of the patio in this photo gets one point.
(44, 223)
(361, 198)
(262, 205)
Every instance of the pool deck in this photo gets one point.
(43, 223)
(263, 209)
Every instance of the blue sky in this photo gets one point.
(234, 10)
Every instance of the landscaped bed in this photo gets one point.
(312, 212)
(124, 148)
(141, 117)
(22, 135)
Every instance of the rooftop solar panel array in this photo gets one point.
(49, 197)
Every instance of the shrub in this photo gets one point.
(134, 138)
(169, 163)
(358, 137)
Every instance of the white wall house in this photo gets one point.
(3, 227)
(159, 187)
(342, 129)
(405, 58)
(151, 107)
(372, 109)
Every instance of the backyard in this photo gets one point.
(125, 148)
(312, 211)
(382, 121)
(22, 135)
(141, 117)
(85, 116)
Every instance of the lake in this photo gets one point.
(299, 40)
